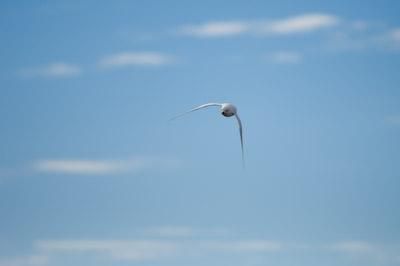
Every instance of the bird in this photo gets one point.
(227, 110)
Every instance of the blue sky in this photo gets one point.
(92, 172)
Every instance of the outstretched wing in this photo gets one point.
(241, 136)
(197, 108)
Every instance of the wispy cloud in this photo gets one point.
(118, 60)
(143, 250)
(395, 35)
(301, 24)
(157, 249)
(102, 167)
(131, 250)
(170, 231)
(35, 260)
(290, 25)
(285, 57)
(393, 119)
(367, 251)
(342, 34)
(245, 246)
(135, 59)
(353, 247)
(172, 242)
(361, 35)
(216, 29)
(393, 39)
(54, 70)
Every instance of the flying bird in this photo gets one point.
(227, 110)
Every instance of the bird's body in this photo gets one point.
(227, 110)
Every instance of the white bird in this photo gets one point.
(227, 110)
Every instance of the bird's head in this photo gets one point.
(228, 110)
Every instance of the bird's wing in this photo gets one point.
(197, 108)
(241, 136)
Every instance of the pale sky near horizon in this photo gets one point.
(93, 173)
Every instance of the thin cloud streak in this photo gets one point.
(216, 29)
(393, 120)
(102, 167)
(395, 35)
(343, 35)
(353, 247)
(183, 232)
(171, 245)
(245, 246)
(292, 25)
(130, 250)
(170, 231)
(54, 70)
(285, 57)
(302, 24)
(150, 250)
(367, 251)
(125, 59)
(393, 39)
(34, 260)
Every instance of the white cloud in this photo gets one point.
(183, 232)
(35, 260)
(143, 250)
(135, 59)
(301, 24)
(170, 245)
(131, 250)
(245, 246)
(393, 119)
(291, 25)
(54, 70)
(343, 35)
(353, 247)
(361, 35)
(170, 231)
(395, 35)
(216, 29)
(367, 251)
(101, 167)
(285, 57)
(79, 166)
(393, 39)
(359, 25)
